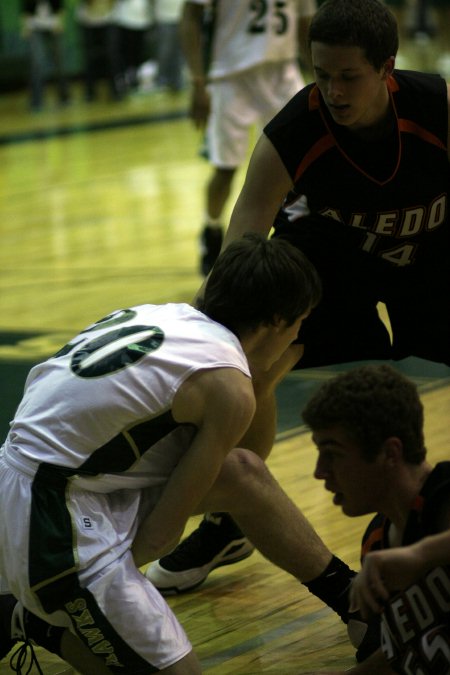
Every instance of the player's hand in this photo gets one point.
(382, 573)
(200, 105)
(137, 549)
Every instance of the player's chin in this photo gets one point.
(339, 500)
(352, 510)
(342, 116)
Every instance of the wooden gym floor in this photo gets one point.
(100, 208)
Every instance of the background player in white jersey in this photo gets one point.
(125, 433)
(368, 428)
(245, 74)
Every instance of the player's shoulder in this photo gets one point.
(438, 480)
(224, 394)
(231, 385)
(436, 494)
(421, 86)
(422, 98)
(297, 118)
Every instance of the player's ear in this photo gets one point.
(393, 450)
(389, 66)
(277, 321)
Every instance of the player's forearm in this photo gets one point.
(244, 219)
(164, 525)
(145, 551)
(191, 42)
(266, 185)
(434, 550)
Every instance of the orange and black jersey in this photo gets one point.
(394, 190)
(415, 623)
(424, 516)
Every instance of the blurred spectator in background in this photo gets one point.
(95, 18)
(169, 53)
(425, 23)
(133, 20)
(43, 28)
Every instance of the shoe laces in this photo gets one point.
(25, 650)
(19, 658)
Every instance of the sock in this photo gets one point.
(332, 587)
(213, 222)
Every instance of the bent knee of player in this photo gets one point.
(244, 469)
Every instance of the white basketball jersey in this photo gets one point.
(246, 34)
(102, 404)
